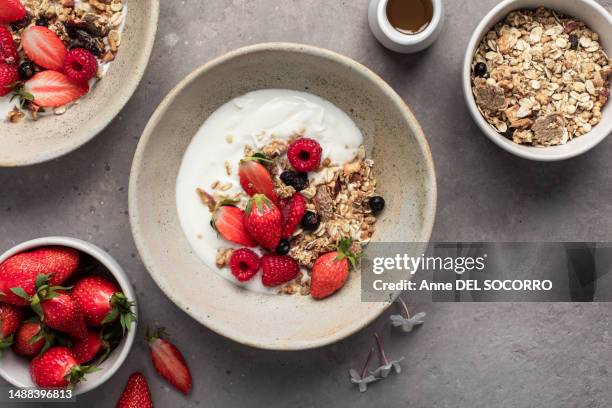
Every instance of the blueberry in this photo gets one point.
(283, 247)
(310, 221)
(377, 204)
(573, 40)
(42, 22)
(26, 70)
(480, 69)
(295, 179)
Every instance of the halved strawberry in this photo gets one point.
(11, 10)
(293, 210)
(51, 89)
(169, 361)
(229, 222)
(44, 47)
(255, 178)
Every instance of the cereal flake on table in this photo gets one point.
(540, 78)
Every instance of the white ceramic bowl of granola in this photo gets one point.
(598, 19)
(393, 138)
(30, 142)
(15, 369)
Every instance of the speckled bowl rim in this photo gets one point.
(429, 212)
(119, 275)
(122, 96)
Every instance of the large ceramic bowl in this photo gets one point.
(15, 369)
(598, 19)
(32, 142)
(393, 138)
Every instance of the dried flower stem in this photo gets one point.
(381, 350)
(367, 363)
(404, 306)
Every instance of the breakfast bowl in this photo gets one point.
(392, 138)
(15, 369)
(597, 19)
(62, 130)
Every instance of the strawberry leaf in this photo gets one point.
(21, 293)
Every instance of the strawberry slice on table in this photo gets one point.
(44, 47)
(255, 178)
(57, 368)
(52, 89)
(10, 319)
(8, 48)
(101, 302)
(136, 393)
(331, 270)
(293, 209)
(169, 361)
(11, 10)
(264, 221)
(229, 221)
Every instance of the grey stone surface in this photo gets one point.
(466, 355)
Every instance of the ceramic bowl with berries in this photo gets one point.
(536, 77)
(67, 314)
(251, 207)
(66, 69)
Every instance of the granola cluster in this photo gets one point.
(541, 78)
(339, 194)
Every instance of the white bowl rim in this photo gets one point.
(428, 215)
(526, 152)
(118, 273)
(128, 92)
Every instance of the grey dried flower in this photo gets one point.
(387, 365)
(362, 380)
(407, 323)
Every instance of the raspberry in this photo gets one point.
(8, 77)
(304, 154)
(244, 264)
(278, 269)
(80, 65)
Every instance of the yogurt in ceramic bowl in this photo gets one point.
(252, 94)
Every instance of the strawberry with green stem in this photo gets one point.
(331, 270)
(10, 320)
(264, 221)
(406, 322)
(255, 177)
(361, 379)
(32, 338)
(101, 302)
(387, 365)
(229, 221)
(169, 361)
(87, 348)
(57, 368)
(19, 272)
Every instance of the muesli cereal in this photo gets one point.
(79, 38)
(541, 78)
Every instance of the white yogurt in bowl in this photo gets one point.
(253, 119)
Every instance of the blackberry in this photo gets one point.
(295, 179)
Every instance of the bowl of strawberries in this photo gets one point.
(66, 70)
(67, 315)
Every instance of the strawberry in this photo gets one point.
(18, 274)
(8, 77)
(44, 47)
(86, 349)
(60, 263)
(32, 338)
(293, 209)
(263, 221)
(331, 270)
(57, 368)
(278, 269)
(169, 361)
(11, 10)
(101, 302)
(8, 48)
(255, 178)
(52, 89)
(229, 222)
(62, 313)
(10, 319)
(136, 393)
